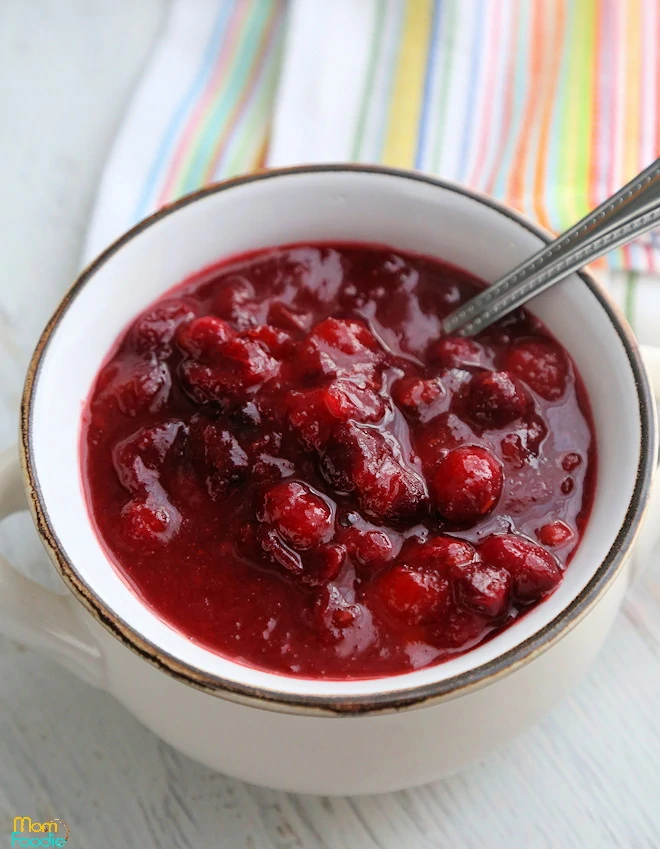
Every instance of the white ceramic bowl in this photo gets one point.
(310, 735)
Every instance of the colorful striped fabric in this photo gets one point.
(201, 113)
(548, 105)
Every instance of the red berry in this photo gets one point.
(205, 338)
(347, 400)
(414, 596)
(247, 363)
(442, 553)
(243, 364)
(483, 588)
(373, 548)
(154, 330)
(454, 351)
(368, 545)
(541, 364)
(554, 534)
(301, 517)
(363, 461)
(420, 399)
(234, 301)
(462, 629)
(314, 414)
(277, 342)
(338, 348)
(496, 398)
(145, 388)
(149, 522)
(204, 384)
(324, 564)
(223, 461)
(348, 337)
(139, 458)
(534, 570)
(466, 484)
(437, 438)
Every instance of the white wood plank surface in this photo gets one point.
(587, 777)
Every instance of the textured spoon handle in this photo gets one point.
(633, 210)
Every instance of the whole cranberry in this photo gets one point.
(466, 484)
(483, 588)
(413, 595)
(154, 330)
(436, 439)
(144, 387)
(496, 398)
(373, 548)
(541, 364)
(247, 363)
(454, 351)
(338, 348)
(347, 336)
(234, 301)
(420, 399)
(276, 341)
(369, 546)
(535, 572)
(205, 337)
(462, 629)
(139, 459)
(442, 554)
(150, 522)
(301, 517)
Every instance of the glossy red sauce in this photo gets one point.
(288, 463)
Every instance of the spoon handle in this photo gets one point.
(633, 210)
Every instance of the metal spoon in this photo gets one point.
(633, 210)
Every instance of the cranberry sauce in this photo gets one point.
(288, 463)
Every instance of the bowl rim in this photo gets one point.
(373, 702)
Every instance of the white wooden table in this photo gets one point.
(587, 777)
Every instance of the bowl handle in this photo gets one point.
(651, 357)
(33, 615)
(648, 542)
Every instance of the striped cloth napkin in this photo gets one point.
(549, 105)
